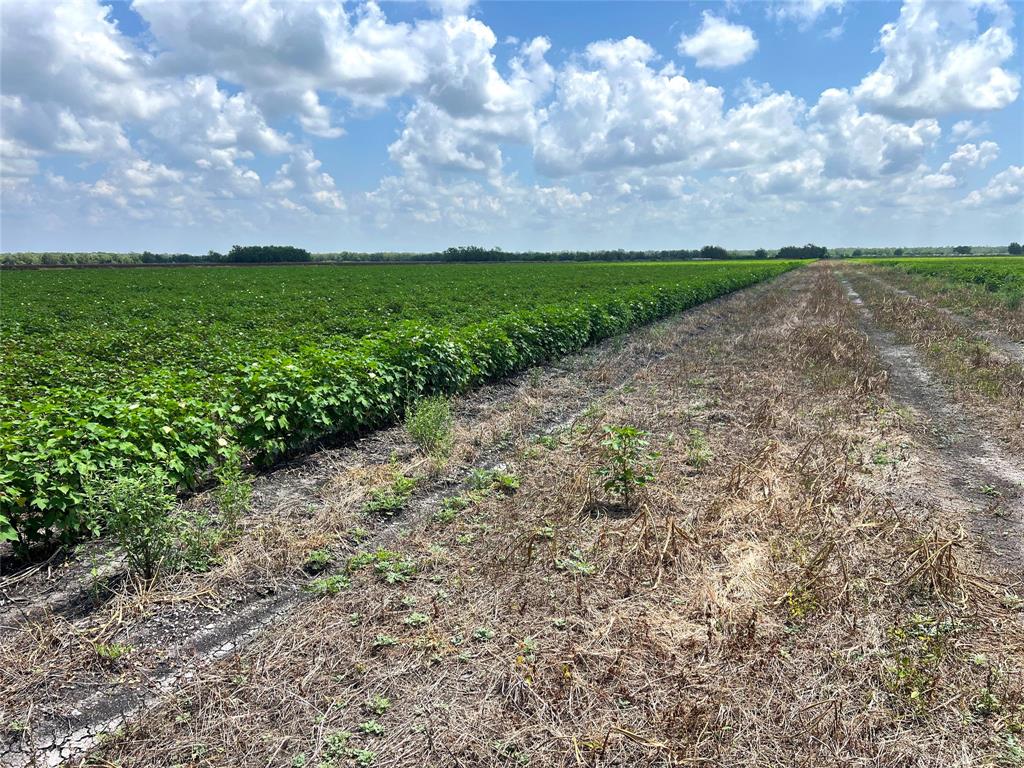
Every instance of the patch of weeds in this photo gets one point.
(377, 704)
(337, 747)
(546, 532)
(627, 464)
(111, 652)
(450, 508)
(429, 423)
(698, 449)
(233, 494)
(363, 757)
(198, 542)
(390, 567)
(1011, 751)
(529, 647)
(388, 500)
(328, 585)
(512, 752)
(140, 513)
(547, 441)
(882, 455)
(485, 480)
(372, 728)
(576, 563)
(317, 561)
(913, 671)
(416, 619)
(1011, 601)
(384, 641)
(801, 601)
(987, 703)
(483, 634)
(991, 491)
(465, 538)
(358, 535)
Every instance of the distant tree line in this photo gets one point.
(267, 254)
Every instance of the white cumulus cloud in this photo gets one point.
(718, 44)
(938, 60)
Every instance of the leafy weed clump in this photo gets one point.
(388, 500)
(140, 513)
(626, 463)
(429, 423)
(391, 567)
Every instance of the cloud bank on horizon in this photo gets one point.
(192, 125)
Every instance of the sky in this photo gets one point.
(189, 125)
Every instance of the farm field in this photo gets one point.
(825, 500)
(1003, 276)
(175, 367)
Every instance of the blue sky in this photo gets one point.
(411, 126)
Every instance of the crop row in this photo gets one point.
(185, 419)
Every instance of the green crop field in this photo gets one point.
(103, 369)
(1001, 275)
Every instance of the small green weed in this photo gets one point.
(388, 500)
(429, 423)
(372, 728)
(377, 704)
(391, 567)
(698, 449)
(136, 508)
(576, 563)
(484, 480)
(111, 652)
(328, 585)
(317, 561)
(627, 464)
(233, 494)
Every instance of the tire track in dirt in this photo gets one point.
(971, 470)
(85, 714)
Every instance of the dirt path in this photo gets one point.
(970, 470)
(496, 422)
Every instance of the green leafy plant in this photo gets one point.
(198, 541)
(377, 704)
(372, 728)
(388, 500)
(234, 490)
(627, 464)
(416, 619)
(391, 567)
(7, 532)
(450, 508)
(317, 561)
(486, 480)
(328, 585)
(429, 422)
(111, 652)
(384, 641)
(576, 563)
(138, 511)
(698, 449)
